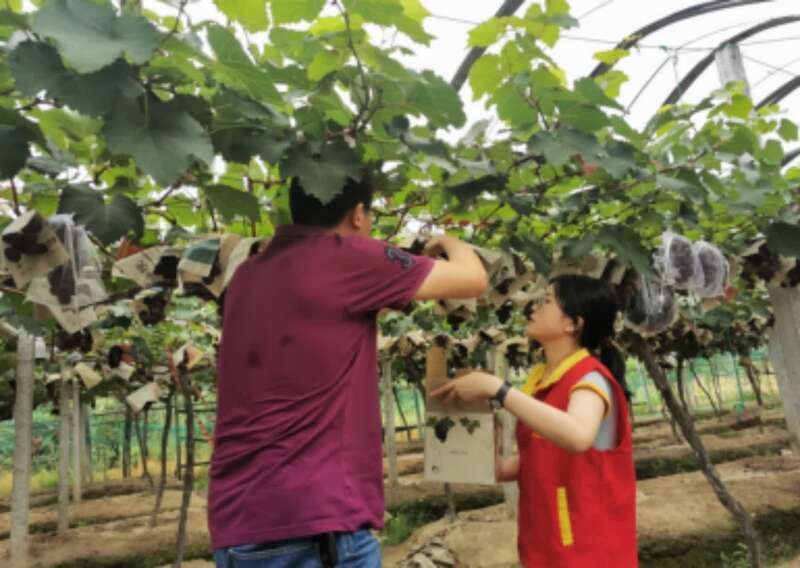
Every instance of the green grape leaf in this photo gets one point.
(487, 33)
(242, 144)
(322, 170)
(784, 238)
(485, 76)
(252, 14)
(90, 35)
(163, 139)
(535, 250)
(788, 130)
(14, 149)
(16, 134)
(235, 69)
(108, 221)
(435, 98)
(291, 11)
(232, 203)
(37, 67)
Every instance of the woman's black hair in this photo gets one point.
(595, 303)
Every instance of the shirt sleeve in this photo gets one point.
(378, 275)
(597, 383)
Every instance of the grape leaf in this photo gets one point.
(236, 70)
(784, 238)
(108, 221)
(232, 202)
(250, 13)
(37, 67)
(323, 170)
(290, 11)
(163, 140)
(90, 35)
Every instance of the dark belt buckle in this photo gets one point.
(328, 552)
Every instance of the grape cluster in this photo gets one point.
(505, 311)
(216, 270)
(517, 357)
(763, 264)
(681, 260)
(62, 283)
(62, 279)
(459, 356)
(26, 242)
(167, 269)
(155, 309)
(115, 356)
(80, 341)
(652, 312)
(710, 261)
(527, 311)
(793, 276)
(417, 247)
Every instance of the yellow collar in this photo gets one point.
(537, 381)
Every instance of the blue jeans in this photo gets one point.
(355, 550)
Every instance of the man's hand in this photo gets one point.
(461, 276)
(438, 246)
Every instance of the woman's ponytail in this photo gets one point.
(611, 356)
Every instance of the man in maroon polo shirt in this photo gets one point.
(296, 476)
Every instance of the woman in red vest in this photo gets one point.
(577, 503)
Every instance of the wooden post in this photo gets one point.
(86, 441)
(418, 412)
(644, 380)
(64, 413)
(188, 479)
(511, 489)
(389, 425)
(127, 465)
(784, 351)
(178, 447)
(23, 433)
(77, 443)
(740, 405)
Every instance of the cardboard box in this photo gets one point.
(459, 440)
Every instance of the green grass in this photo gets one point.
(408, 517)
(779, 530)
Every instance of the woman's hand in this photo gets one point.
(476, 385)
(506, 469)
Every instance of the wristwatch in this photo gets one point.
(499, 398)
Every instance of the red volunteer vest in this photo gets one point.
(577, 510)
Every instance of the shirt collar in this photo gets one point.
(537, 381)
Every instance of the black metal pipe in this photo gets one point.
(698, 10)
(704, 63)
(781, 92)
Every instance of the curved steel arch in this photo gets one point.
(704, 63)
(781, 92)
(700, 9)
(790, 157)
(507, 8)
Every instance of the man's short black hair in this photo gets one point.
(308, 210)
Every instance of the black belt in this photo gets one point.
(328, 551)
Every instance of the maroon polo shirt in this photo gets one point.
(297, 444)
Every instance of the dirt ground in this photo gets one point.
(113, 530)
(129, 537)
(678, 508)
